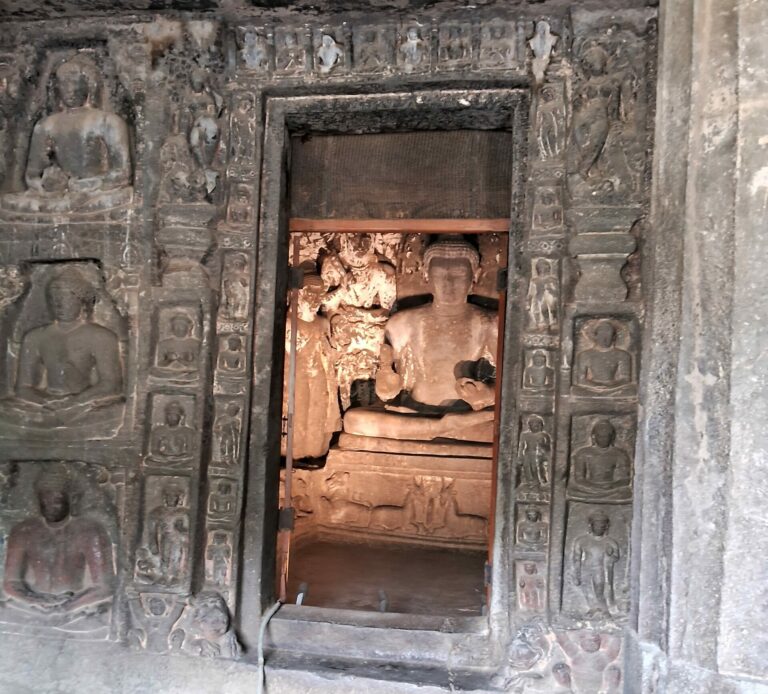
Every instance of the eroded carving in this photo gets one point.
(531, 585)
(235, 285)
(152, 617)
(532, 530)
(231, 353)
(534, 459)
(550, 122)
(163, 558)
(538, 375)
(455, 45)
(601, 470)
(413, 52)
(222, 500)
(498, 48)
(69, 362)
(172, 442)
(226, 430)
(373, 50)
(590, 655)
(59, 563)
(602, 366)
(254, 50)
(205, 629)
(541, 44)
(289, 51)
(329, 55)
(543, 295)
(218, 559)
(178, 350)
(81, 152)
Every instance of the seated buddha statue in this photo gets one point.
(438, 362)
(79, 152)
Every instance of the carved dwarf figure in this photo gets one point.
(532, 587)
(534, 451)
(181, 350)
(207, 632)
(80, 149)
(601, 470)
(329, 54)
(538, 375)
(58, 567)
(594, 556)
(316, 413)
(542, 297)
(71, 362)
(151, 621)
(532, 531)
(589, 654)
(603, 366)
(168, 535)
(226, 428)
(440, 359)
(173, 440)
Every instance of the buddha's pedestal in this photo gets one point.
(412, 492)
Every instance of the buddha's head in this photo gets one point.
(535, 424)
(233, 409)
(174, 413)
(594, 60)
(173, 496)
(603, 433)
(539, 359)
(234, 344)
(533, 515)
(604, 334)
(530, 568)
(52, 489)
(451, 267)
(77, 81)
(181, 325)
(68, 293)
(599, 524)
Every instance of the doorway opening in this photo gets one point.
(398, 246)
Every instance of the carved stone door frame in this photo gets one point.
(438, 109)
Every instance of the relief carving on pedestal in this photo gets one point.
(152, 618)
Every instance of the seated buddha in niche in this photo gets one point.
(81, 149)
(71, 363)
(437, 364)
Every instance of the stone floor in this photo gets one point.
(416, 580)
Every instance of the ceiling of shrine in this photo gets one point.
(43, 9)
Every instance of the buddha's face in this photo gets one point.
(532, 515)
(72, 86)
(604, 335)
(450, 280)
(173, 416)
(157, 607)
(65, 301)
(603, 434)
(530, 568)
(54, 504)
(539, 360)
(535, 425)
(180, 326)
(599, 527)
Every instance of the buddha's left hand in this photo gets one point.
(477, 394)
